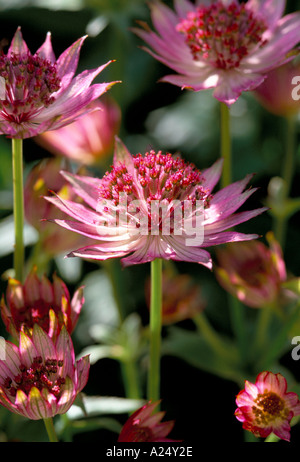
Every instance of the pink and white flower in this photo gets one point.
(154, 206)
(39, 93)
(265, 406)
(40, 378)
(222, 44)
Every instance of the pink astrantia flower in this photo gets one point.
(88, 140)
(276, 92)
(145, 426)
(225, 45)
(41, 378)
(266, 407)
(38, 301)
(39, 93)
(251, 271)
(154, 206)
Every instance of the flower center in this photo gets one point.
(269, 407)
(27, 84)
(222, 34)
(41, 374)
(159, 186)
(35, 313)
(161, 176)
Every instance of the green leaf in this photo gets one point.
(98, 352)
(99, 405)
(192, 348)
(87, 425)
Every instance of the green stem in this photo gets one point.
(17, 163)
(208, 333)
(50, 430)
(113, 269)
(155, 330)
(287, 175)
(262, 330)
(225, 145)
(131, 379)
(128, 367)
(276, 347)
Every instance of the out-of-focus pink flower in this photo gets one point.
(39, 93)
(40, 378)
(43, 177)
(275, 93)
(182, 298)
(88, 140)
(225, 45)
(266, 407)
(38, 301)
(251, 271)
(145, 426)
(154, 206)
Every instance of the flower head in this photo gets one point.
(38, 92)
(38, 301)
(154, 206)
(223, 44)
(266, 407)
(41, 378)
(88, 140)
(44, 176)
(251, 271)
(145, 426)
(275, 93)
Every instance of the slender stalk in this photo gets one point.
(262, 329)
(17, 163)
(128, 367)
(131, 379)
(113, 269)
(225, 145)
(287, 176)
(155, 330)
(208, 333)
(50, 430)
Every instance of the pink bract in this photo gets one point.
(39, 93)
(90, 139)
(265, 406)
(133, 210)
(275, 93)
(224, 45)
(145, 426)
(40, 378)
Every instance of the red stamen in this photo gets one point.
(222, 35)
